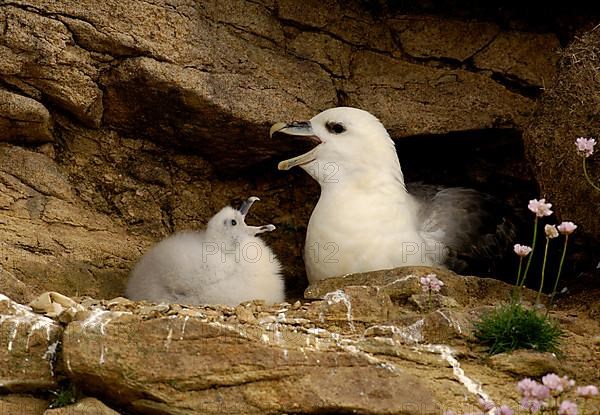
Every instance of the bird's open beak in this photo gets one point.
(303, 131)
(254, 230)
(247, 204)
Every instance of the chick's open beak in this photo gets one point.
(253, 230)
(247, 204)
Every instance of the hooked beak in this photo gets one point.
(304, 132)
(247, 204)
(253, 230)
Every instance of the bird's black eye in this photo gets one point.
(233, 222)
(335, 127)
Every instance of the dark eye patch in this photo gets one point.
(233, 222)
(335, 127)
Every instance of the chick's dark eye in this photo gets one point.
(335, 127)
(233, 222)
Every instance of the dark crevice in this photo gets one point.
(518, 86)
(328, 71)
(38, 249)
(323, 30)
(492, 161)
(342, 98)
(563, 19)
(511, 83)
(10, 87)
(247, 31)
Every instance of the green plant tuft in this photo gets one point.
(511, 326)
(66, 395)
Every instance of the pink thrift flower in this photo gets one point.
(567, 408)
(532, 405)
(540, 207)
(587, 391)
(526, 386)
(567, 228)
(551, 231)
(553, 382)
(424, 283)
(449, 413)
(585, 146)
(540, 392)
(436, 286)
(430, 282)
(504, 410)
(522, 250)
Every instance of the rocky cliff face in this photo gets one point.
(126, 121)
(368, 343)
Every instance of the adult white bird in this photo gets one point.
(225, 264)
(366, 219)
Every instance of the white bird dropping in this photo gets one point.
(225, 264)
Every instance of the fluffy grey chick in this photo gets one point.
(225, 264)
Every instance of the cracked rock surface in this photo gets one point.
(367, 343)
(125, 121)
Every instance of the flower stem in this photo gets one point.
(430, 305)
(587, 177)
(514, 294)
(535, 223)
(562, 260)
(537, 299)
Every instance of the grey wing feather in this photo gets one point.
(476, 229)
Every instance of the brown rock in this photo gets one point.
(86, 406)
(562, 116)
(344, 21)
(54, 65)
(37, 172)
(436, 37)
(163, 113)
(22, 405)
(355, 350)
(23, 119)
(352, 304)
(528, 363)
(306, 358)
(215, 106)
(529, 57)
(13, 286)
(27, 349)
(441, 325)
(413, 99)
(52, 240)
(327, 51)
(214, 367)
(400, 284)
